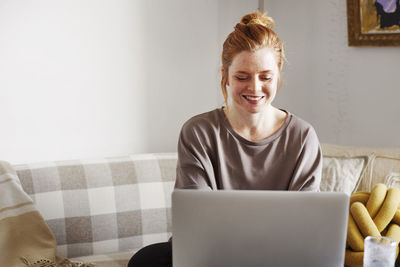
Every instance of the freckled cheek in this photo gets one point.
(269, 91)
(238, 88)
(272, 87)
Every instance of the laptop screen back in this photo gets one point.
(258, 228)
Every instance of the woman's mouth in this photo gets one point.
(253, 99)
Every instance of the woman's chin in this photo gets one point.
(245, 107)
(260, 107)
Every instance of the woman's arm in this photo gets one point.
(308, 170)
(193, 160)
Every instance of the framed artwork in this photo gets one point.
(373, 22)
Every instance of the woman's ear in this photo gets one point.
(225, 74)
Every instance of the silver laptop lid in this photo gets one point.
(258, 228)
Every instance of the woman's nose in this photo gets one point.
(255, 85)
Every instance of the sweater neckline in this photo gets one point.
(265, 141)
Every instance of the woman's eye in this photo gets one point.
(240, 78)
(266, 78)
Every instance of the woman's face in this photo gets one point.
(253, 80)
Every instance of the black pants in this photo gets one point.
(155, 255)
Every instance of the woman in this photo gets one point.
(248, 144)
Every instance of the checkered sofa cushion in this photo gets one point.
(105, 205)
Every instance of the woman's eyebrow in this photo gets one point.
(266, 71)
(245, 72)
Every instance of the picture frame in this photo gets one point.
(369, 23)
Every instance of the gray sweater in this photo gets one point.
(211, 155)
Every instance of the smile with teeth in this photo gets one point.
(253, 98)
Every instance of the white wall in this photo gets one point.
(72, 81)
(95, 78)
(350, 94)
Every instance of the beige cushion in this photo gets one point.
(341, 174)
(350, 169)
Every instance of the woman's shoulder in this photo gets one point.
(299, 126)
(203, 122)
(201, 129)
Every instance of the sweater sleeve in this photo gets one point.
(308, 169)
(191, 171)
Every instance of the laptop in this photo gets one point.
(258, 228)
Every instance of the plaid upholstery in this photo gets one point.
(104, 205)
(119, 259)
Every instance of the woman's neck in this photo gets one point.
(258, 126)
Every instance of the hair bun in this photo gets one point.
(258, 18)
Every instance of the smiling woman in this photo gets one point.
(248, 144)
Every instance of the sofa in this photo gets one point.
(104, 210)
